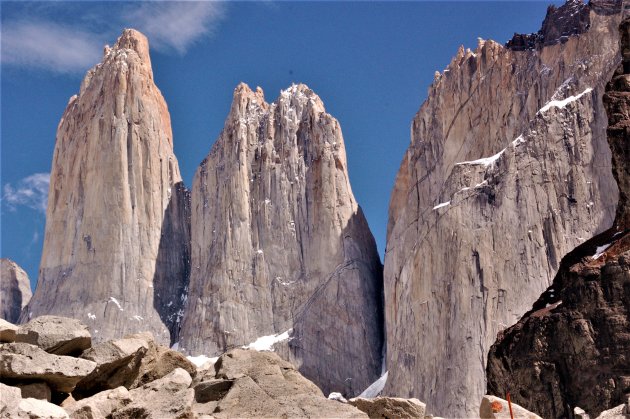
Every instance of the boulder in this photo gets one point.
(495, 407)
(167, 397)
(56, 335)
(100, 405)
(39, 409)
(212, 390)
(21, 361)
(7, 331)
(39, 391)
(9, 401)
(389, 407)
(117, 364)
(618, 412)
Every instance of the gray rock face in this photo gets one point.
(280, 244)
(508, 170)
(390, 407)
(116, 243)
(15, 290)
(56, 335)
(21, 361)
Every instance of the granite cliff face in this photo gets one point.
(572, 349)
(15, 290)
(507, 171)
(279, 244)
(116, 247)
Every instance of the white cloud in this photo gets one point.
(175, 25)
(50, 46)
(31, 192)
(36, 40)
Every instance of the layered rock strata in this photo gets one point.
(15, 290)
(507, 171)
(280, 245)
(572, 349)
(116, 247)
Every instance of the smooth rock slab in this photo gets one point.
(7, 331)
(100, 405)
(39, 409)
(21, 361)
(496, 408)
(56, 335)
(389, 407)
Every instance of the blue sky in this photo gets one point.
(370, 62)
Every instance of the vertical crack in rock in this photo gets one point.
(515, 143)
(116, 247)
(279, 243)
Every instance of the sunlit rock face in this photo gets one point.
(15, 290)
(572, 348)
(116, 249)
(508, 170)
(279, 244)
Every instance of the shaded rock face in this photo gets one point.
(281, 243)
(116, 246)
(507, 171)
(15, 290)
(573, 348)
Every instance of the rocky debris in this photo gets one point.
(130, 362)
(507, 171)
(15, 290)
(494, 407)
(7, 331)
(39, 391)
(14, 405)
(390, 407)
(24, 362)
(100, 405)
(572, 348)
(167, 397)
(116, 246)
(285, 250)
(56, 335)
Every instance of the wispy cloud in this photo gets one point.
(43, 37)
(31, 192)
(49, 46)
(176, 25)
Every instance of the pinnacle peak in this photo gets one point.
(134, 40)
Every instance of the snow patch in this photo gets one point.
(265, 343)
(486, 161)
(375, 388)
(200, 360)
(443, 204)
(600, 250)
(91, 316)
(562, 103)
(115, 301)
(337, 396)
(139, 318)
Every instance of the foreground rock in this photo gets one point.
(507, 171)
(15, 290)
(260, 384)
(496, 408)
(24, 362)
(572, 349)
(12, 405)
(100, 405)
(7, 331)
(390, 407)
(130, 362)
(168, 397)
(280, 244)
(56, 335)
(116, 246)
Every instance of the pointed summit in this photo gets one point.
(116, 246)
(280, 244)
